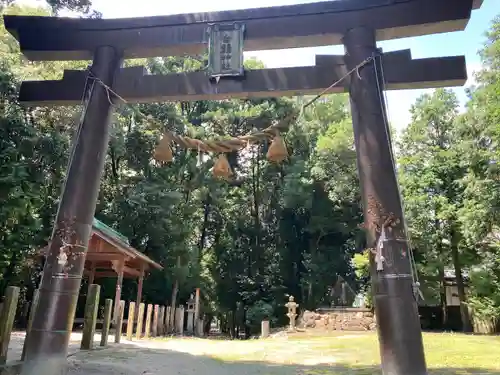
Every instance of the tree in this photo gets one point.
(480, 214)
(431, 167)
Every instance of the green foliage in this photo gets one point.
(257, 313)
(480, 215)
(361, 264)
(485, 299)
(450, 177)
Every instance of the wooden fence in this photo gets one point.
(142, 322)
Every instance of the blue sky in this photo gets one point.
(466, 42)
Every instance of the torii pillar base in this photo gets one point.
(396, 311)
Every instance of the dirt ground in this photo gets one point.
(176, 356)
(131, 360)
(17, 341)
(194, 356)
(340, 353)
(184, 356)
(188, 356)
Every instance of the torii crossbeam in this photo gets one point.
(357, 24)
(135, 86)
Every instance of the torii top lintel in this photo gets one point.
(303, 25)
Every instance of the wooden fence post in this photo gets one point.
(161, 321)
(183, 317)
(173, 319)
(167, 320)
(130, 320)
(140, 318)
(34, 302)
(180, 320)
(119, 322)
(154, 330)
(199, 328)
(264, 329)
(7, 320)
(90, 318)
(147, 330)
(108, 306)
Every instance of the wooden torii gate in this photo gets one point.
(357, 24)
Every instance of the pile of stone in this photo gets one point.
(338, 319)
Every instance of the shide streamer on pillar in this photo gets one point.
(293, 26)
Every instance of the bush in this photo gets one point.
(484, 299)
(260, 311)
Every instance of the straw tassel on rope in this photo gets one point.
(222, 168)
(277, 151)
(227, 145)
(163, 151)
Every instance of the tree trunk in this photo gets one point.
(310, 294)
(173, 300)
(233, 324)
(207, 324)
(442, 295)
(442, 282)
(255, 253)
(464, 310)
(244, 324)
(204, 228)
(223, 323)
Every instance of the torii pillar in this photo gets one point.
(47, 346)
(398, 322)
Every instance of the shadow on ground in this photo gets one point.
(128, 359)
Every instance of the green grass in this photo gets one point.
(446, 353)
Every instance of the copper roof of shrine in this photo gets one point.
(107, 245)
